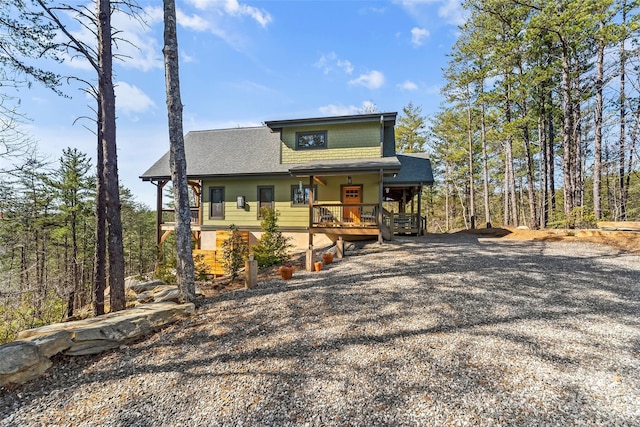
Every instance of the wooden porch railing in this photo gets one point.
(345, 215)
(404, 222)
(169, 217)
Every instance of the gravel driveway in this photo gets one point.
(436, 330)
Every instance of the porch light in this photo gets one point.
(240, 202)
(349, 179)
(386, 190)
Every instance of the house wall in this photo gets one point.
(289, 216)
(356, 141)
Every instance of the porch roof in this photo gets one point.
(389, 165)
(416, 170)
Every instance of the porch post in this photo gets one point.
(159, 186)
(420, 211)
(413, 212)
(311, 200)
(380, 196)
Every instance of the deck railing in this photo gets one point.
(341, 215)
(169, 216)
(405, 222)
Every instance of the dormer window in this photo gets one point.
(311, 140)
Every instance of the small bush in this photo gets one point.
(201, 268)
(167, 273)
(273, 247)
(234, 252)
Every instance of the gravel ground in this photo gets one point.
(436, 330)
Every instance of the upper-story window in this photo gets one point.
(309, 140)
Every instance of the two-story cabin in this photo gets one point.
(326, 177)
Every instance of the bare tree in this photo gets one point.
(177, 157)
(108, 183)
(110, 163)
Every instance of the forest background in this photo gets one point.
(538, 127)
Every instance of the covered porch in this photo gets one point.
(393, 208)
(166, 218)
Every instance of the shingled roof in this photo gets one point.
(256, 151)
(415, 170)
(226, 152)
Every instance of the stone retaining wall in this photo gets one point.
(29, 357)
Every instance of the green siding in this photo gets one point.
(353, 141)
(289, 216)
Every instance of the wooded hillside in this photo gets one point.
(542, 114)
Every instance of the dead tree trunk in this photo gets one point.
(177, 157)
(112, 190)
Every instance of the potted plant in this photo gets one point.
(318, 265)
(327, 257)
(286, 271)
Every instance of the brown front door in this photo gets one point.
(351, 194)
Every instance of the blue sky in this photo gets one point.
(246, 62)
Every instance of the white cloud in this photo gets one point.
(338, 110)
(141, 50)
(423, 10)
(131, 99)
(408, 85)
(368, 107)
(186, 58)
(193, 22)
(345, 65)
(342, 110)
(234, 8)
(452, 12)
(249, 86)
(372, 80)
(328, 61)
(418, 35)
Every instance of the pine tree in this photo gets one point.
(411, 130)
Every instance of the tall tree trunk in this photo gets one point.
(77, 284)
(544, 183)
(177, 157)
(100, 260)
(472, 205)
(510, 175)
(567, 132)
(112, 190)
(622, 145)
(505, 202)
(447, 189)
(577, 177)
(550, 151)
(597, 144)
(485, 169)
(531, 193)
